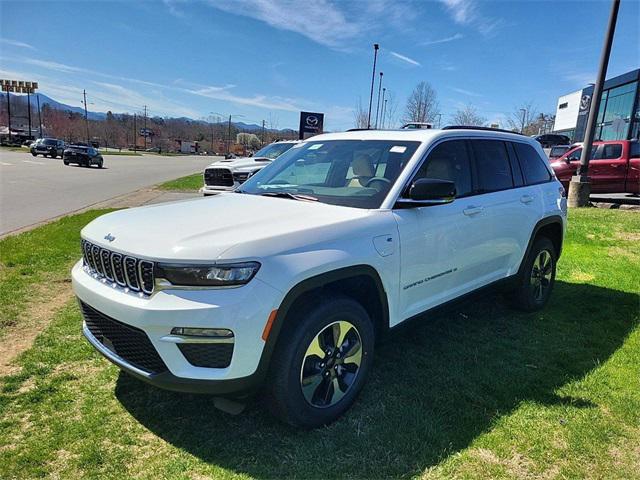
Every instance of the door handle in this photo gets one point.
(526, 199)
(471, 210)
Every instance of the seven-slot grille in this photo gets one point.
(129, 343)
(218, 177)
(126, 271)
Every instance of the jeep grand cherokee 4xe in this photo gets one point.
(286, 283)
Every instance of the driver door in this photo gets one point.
(439, 242)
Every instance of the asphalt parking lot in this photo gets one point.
(34, 189)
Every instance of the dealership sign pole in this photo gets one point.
(580, 187)
(310, 122)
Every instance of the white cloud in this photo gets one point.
(404, 58)
(262, 101)
(318, 20)
(580, 79)
(451, 38)
(466, 92)
(466, 12)
(16, 43)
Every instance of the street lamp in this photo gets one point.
(384, 102)
(373, 79)
(524, 115)
(378, 103)
(229, 133)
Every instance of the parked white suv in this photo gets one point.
(227, 175)
(287, 283)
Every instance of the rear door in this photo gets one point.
(507, 208)
(608, 168)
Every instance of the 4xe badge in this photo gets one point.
(109, 238)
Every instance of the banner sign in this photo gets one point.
(310, 123)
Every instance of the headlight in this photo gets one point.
(208, 275)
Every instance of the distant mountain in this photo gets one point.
(44, 100)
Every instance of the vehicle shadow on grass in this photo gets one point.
(436, 385)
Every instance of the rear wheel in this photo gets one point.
(100, 163)
(321, 364)
(34, 154)
(538, 277)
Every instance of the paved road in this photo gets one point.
(33, 189)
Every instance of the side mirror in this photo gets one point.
(429, 191)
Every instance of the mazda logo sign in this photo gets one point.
(312, 121)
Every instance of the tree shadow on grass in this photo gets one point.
(435, 386)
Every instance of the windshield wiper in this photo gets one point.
(293, 196)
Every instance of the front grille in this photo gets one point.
(209, 355)
(218, 177)
(129, 343)
(126, 271)
(241, 177)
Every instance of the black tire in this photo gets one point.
(66, 162)
(34, 154)
(284, 393)
(100, 164)
(535, 284)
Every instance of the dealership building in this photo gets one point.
(618, 115)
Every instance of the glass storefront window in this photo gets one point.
(616, 115)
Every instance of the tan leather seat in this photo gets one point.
(362, 171)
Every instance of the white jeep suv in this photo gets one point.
(227, 175)
(285, 284)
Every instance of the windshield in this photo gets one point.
(351, 173)
(274, 150)
(48, 141)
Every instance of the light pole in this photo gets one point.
(524, 115)
(384, 91)
(580, 186)
(378, 102)
(384, 111)
(373, 79)
(229, 133)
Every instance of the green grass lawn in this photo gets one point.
(190, 183)
(481, 392)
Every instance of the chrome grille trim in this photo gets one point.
(124, 270)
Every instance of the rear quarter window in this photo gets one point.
(492, 165)
(533, 165)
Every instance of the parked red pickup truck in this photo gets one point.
(614, 166)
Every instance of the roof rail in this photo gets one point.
(359, 129)
(469, 127)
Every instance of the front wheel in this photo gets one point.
(538, 277)
(321, 362)
(34, 154)
(66, 162)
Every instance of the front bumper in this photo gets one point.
(242, 310)
(214, 189)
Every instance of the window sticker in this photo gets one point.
(316, 146)
(398, 149)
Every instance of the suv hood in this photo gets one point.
(245, 162)
(202, 230)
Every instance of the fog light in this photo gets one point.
(202, 332)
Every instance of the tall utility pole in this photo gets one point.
(212, 147)
(262, 132)
(135, 134)
(86, 117)
(384, 91)
(229, 137)
(373, 79)
(39, 115)
(378, 103)
(580, 186)
(145, 128)
(29, 111)
(384, 110)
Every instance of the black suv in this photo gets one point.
(549, 140)
(83, 155)
(47, 146)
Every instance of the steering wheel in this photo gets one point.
(377, 179)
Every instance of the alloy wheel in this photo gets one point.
(541, 274)
(331, 364)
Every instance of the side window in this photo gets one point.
(449, 161)
(492, 165)
(634, 149)
(608, 152)
(575, 155)
(533, 166)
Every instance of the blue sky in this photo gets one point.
(269, 59)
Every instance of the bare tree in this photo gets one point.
(468, 115)
(422, 104)
(522, 119)
(360, 115)
(390, 110)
